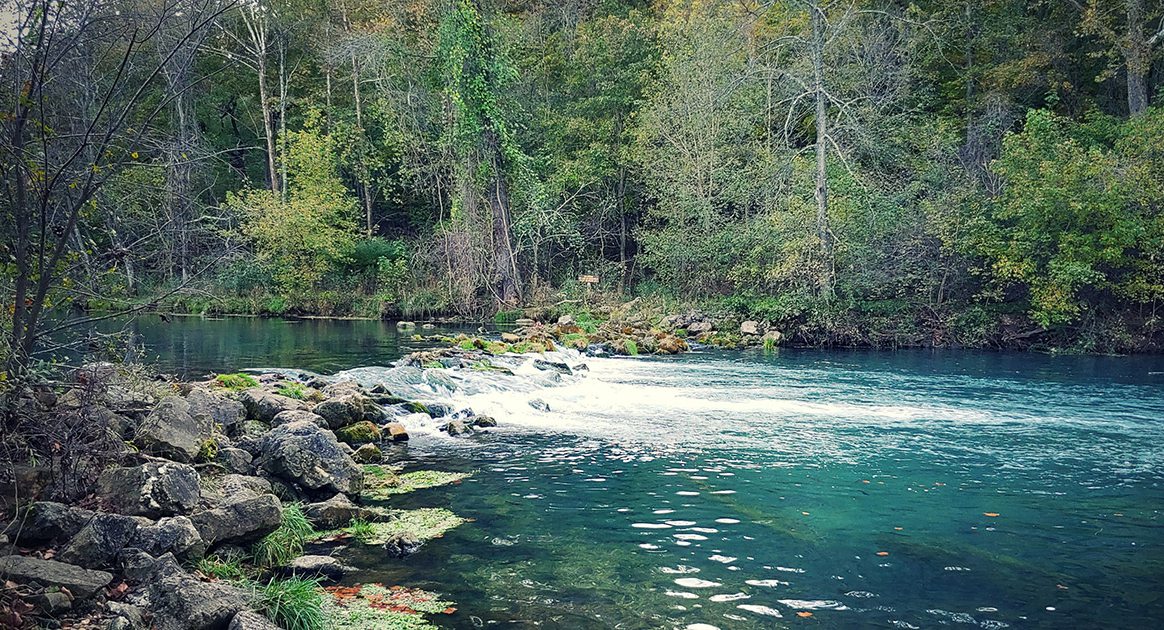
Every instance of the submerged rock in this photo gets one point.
(82, 583)
(484, 421)
(539, 404)
(556, 366)
(456, 427)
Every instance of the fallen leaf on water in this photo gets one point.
(864, 481)
(450, 610)
(804, 513)
(803, 613)
(990, 514)
(883, 553)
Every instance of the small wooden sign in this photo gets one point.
(588, 279)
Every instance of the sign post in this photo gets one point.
(589, 281)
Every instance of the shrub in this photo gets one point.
(632, 348)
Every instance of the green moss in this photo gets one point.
(507, 317)
(381, 483)
(496, 347)
(374, 607)
(434, 365)
(236, 382)
(422, 524)
(415, 407)
(361, 432)
(578, 341)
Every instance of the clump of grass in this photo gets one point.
(293, 603)
(632, 348)
(286, 543)
(770, 344)
(223, 566)
(237, 382)
(360, 529)
(292, 390)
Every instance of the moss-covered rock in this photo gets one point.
(361, 432)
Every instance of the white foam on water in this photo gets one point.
(729, 597)
(696, 583)
(760, 610)
(813, 604)
(766, 583)
(689, 536)
(681, 594)
(681, 569)
(650, 526)
(723, 559)
(680, 523)
(727, 521)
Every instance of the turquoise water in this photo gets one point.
(737, 490)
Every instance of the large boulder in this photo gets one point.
(697, 328)
(45, 521)
(222, 411)
(239, 521)
(751, 327)
(99, 541)
(180, 601)
(251, 620)
(310, 458)
(82, 583)
(175, 534)
(333, 513)
(153, 489)
(295, 415)
(670, 344)
(264, 406)
(348, 408)
(172, 432)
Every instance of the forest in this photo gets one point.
(985, 173)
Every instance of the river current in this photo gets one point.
(742, 490)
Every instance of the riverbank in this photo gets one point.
(203, 503)
(734, 322)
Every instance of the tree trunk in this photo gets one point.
(508, 282)
(1137, 58)
(268, 124)
(822, 192)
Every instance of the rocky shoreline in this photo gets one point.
(214, 493)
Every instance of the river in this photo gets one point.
(733, 490)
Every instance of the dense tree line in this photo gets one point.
(981, 172)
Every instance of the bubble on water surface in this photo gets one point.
(724, 492)
(760, 610)
(687, 493)
(696, 583)
(651, 525)
(729, 597)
